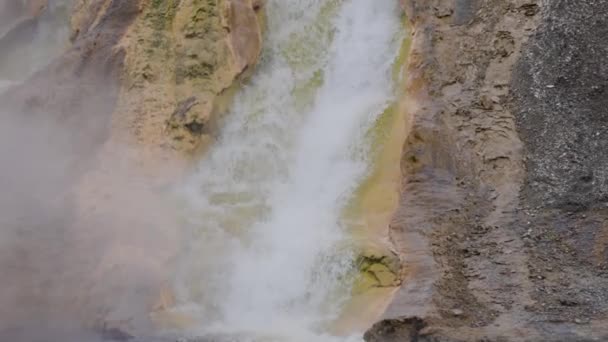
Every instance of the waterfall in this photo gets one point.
(267, 253)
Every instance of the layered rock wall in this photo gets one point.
(500, 224)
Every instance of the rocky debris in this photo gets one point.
(530, 9)
(443, 10)
(562, 110)
(402, 330)
(504, 44)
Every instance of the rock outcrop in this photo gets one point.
(182, 60)
(501, 226)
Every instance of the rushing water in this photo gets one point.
(268, 255)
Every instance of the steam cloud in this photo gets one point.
(84, 240)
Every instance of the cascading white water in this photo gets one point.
(267, 254)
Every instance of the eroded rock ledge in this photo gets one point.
(182, 57)
(502, 218)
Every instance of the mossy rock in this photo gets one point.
(377, 267)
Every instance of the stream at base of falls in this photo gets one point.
(267, 254)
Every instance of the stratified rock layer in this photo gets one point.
(501, 226)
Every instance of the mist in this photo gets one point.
(84, 237)
(91, 235)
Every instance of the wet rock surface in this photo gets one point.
(502, 226)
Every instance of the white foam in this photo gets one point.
(268, 251)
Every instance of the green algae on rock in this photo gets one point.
(377, 268)
(182, 60)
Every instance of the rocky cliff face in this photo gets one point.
(501, 226)
(181, 59)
